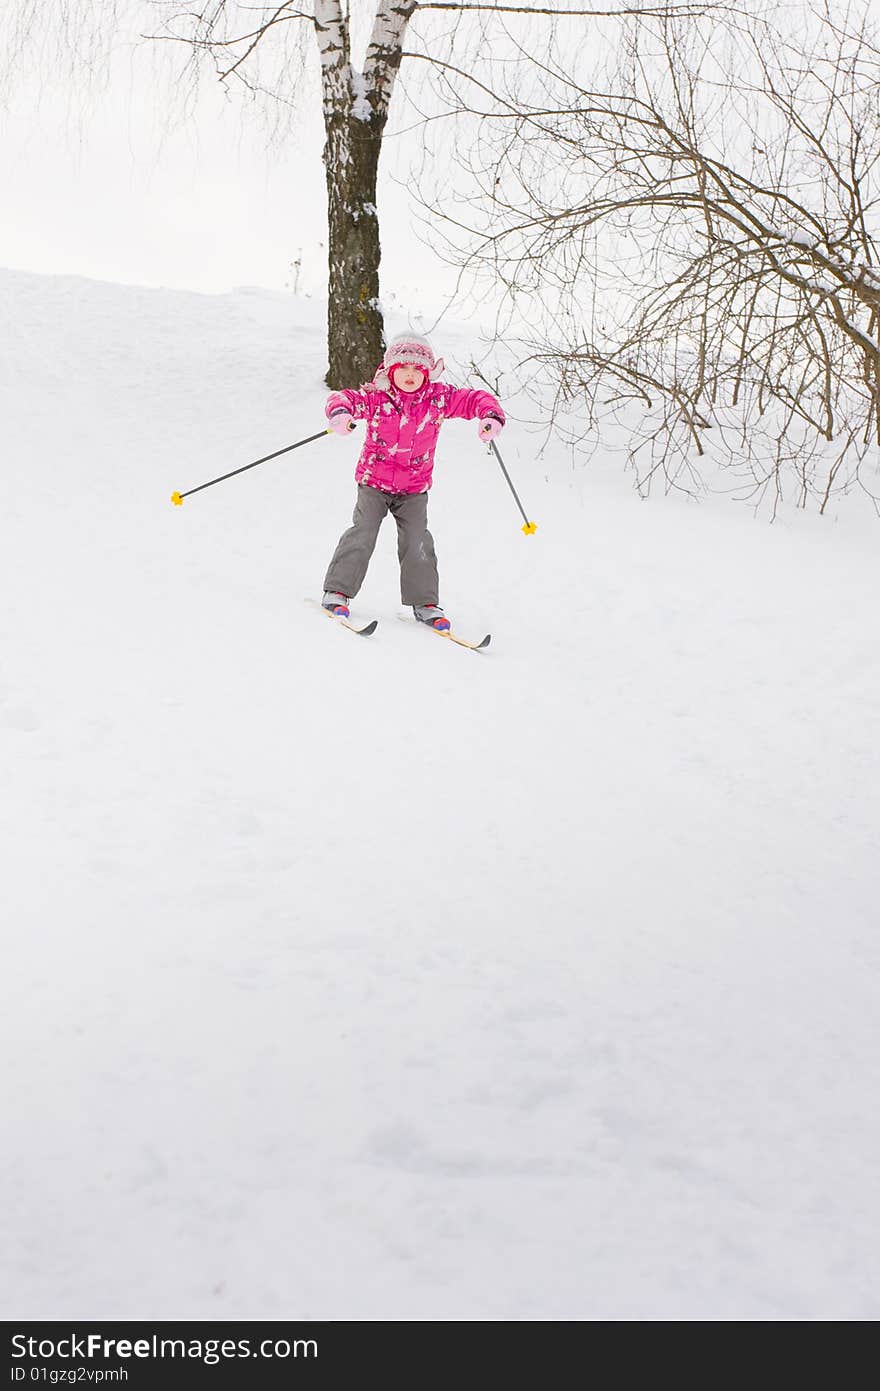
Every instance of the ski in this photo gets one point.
(364, 632)
(463, 642)
(450, 636)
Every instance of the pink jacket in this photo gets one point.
(402, 429)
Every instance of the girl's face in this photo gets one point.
(407, 378)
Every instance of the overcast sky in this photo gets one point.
(95, 185)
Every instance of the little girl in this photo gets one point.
(404, 407)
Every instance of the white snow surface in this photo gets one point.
(376, 979)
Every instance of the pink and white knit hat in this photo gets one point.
(410, 350)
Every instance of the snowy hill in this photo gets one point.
(375, 979)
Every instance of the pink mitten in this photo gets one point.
(341, 422)
(490, 427)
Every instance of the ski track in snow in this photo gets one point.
(376, 979)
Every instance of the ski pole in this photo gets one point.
(530, 527)
(177, 498)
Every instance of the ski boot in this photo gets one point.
(433, 615)
(336, 603)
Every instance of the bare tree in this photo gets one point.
(238, 37)
(700, 229)
(235, 37)
(262, 48)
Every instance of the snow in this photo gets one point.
(375, 979)
(360, 106)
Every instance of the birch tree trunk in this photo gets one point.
(355, 114)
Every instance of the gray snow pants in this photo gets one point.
(415, 546)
